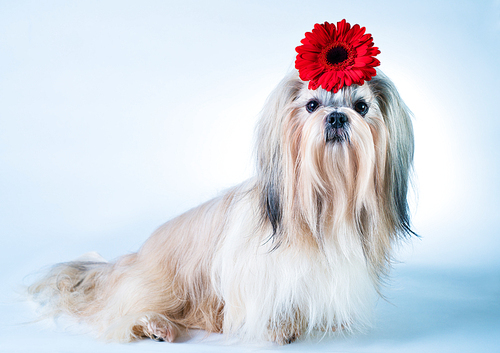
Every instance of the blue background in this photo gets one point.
(115, 116)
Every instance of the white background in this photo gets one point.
(116, 116)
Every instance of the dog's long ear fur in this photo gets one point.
(399, 165)
(270, 163)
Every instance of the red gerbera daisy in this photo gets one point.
(333, 56)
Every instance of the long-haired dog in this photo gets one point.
(301, 247)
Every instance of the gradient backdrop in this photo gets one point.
(116, 116)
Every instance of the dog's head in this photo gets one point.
(335, 146)
(353, 147)
(336, 162)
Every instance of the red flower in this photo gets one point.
(332, 57)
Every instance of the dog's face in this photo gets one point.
(336, 158)
(336, 114)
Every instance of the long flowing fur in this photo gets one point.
(300, 248)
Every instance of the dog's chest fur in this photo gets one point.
(299, 287)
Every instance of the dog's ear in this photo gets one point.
(271, 154)
(399, 164)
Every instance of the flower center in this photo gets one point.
(337, 56)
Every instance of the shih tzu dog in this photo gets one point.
(302, 247)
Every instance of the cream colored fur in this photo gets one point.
(298, 249)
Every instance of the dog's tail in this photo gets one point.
(72, 287)
(117, 299)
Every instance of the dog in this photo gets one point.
(301, 247)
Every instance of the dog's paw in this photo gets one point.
(159, 329)
(282, 337)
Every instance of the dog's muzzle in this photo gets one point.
(336, 129)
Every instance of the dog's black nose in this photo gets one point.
(337, 119)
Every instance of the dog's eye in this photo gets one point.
(361, 107)
(312, 106)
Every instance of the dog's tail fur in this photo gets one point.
(88, 289)
(71, 287)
